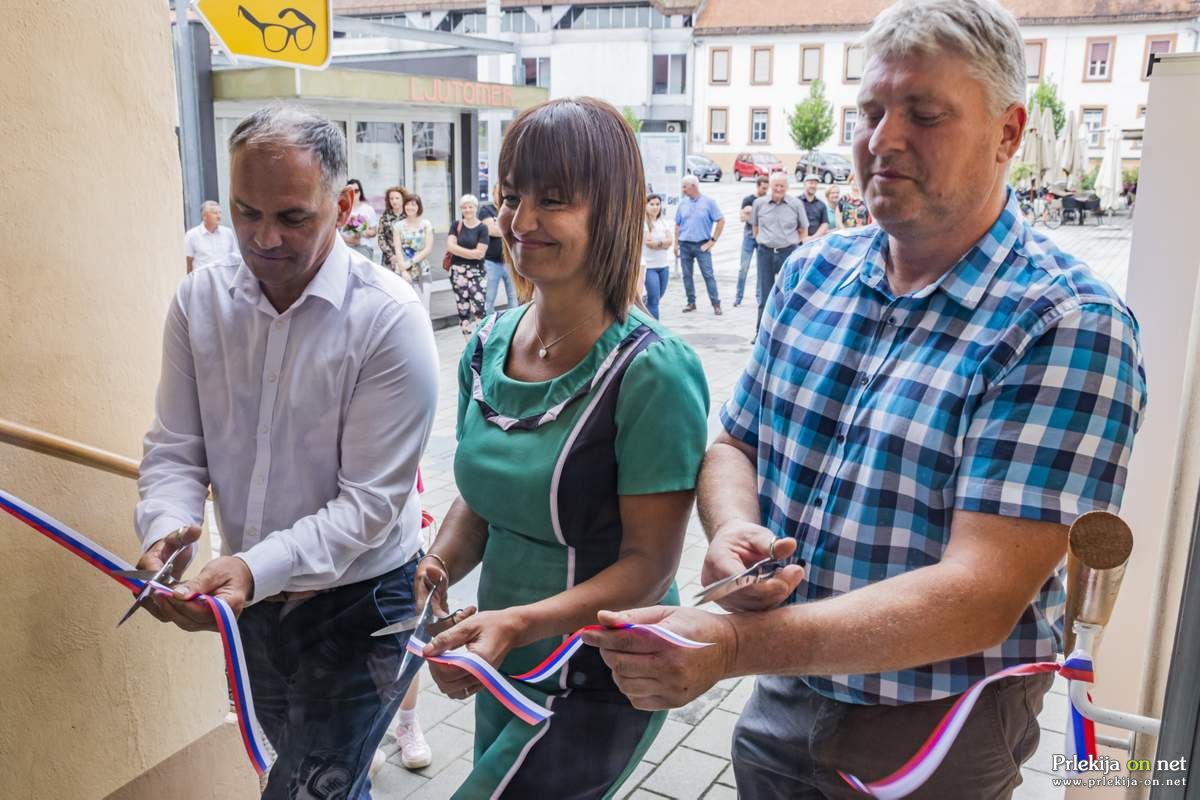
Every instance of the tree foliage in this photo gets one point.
(811, 123)
(633, 121)
(1046, 95)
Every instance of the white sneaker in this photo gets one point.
(414, 750)
(377, 762)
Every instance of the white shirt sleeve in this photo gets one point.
(173, 483)
(387, 425)
(189, 243)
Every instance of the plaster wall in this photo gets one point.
(92, 253)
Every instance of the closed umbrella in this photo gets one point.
(1049, 146)
(1068, 144)
(1031, 152)
(1031, 127)
(1083, 140)
(1108, 181)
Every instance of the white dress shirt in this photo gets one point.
(210, 247)
(309, 424)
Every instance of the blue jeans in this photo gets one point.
(690, 252)
(497, 272)
(656, 287)
(770, 261)
(748, 248)
(324, 689)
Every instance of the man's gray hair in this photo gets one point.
(690, 180)
(983, 32)
(285, 125)
(209, 205)
(780, 177)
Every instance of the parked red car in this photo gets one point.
(751, 165)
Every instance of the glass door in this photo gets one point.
(377, 158)
(433, 154)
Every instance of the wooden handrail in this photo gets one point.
(67, 449)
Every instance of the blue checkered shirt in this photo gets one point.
(1013, 385)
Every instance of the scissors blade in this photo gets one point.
(155, 577)
(751, 575)
(143, 575)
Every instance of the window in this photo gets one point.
(810, 63)
(849, 119)
(1035, 59)
(670, 74)
(761, 65)
(612, 16)
(1157, 46)
(515, 20)
(537, 72)
(718, 66)
(464, 22)
(854, 64)
(1094, 117)
(718, 125)
(1098, 61)
(760, 126)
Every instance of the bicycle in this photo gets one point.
(1036, 208)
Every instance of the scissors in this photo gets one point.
(162, 576)
(423, 626)
(755, 573)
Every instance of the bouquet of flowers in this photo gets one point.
(357, 224)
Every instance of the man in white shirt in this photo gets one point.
(300, 383)
(209, 242)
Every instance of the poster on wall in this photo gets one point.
(662, 160)
(431, 180)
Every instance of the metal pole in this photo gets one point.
(189, 117)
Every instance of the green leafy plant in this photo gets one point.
(633, 121)
(1089, 180)
(1019, 172)
(1046, 95)
(1129, 176)
(811, 123)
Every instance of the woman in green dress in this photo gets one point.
(581, 428)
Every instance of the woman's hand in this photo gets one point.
(394, 261)
(488, 634)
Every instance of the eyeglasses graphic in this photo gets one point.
(276, 36)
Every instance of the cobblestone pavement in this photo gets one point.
(690, 758)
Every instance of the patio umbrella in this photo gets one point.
(1068, 145)
(1083, 139)
(1108, 181)
(1031, 148)
(1049, 146)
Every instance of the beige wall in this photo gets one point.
(92, 252)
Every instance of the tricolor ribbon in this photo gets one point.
(1081, 738)
(564, 651)
(257, 747)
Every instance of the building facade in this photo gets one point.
(755, 59)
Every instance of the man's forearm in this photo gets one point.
(727, 488)
(921, 617)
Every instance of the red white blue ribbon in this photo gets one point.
(257, 748)
(564, 651)
(918, 769)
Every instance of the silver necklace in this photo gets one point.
(544, 350)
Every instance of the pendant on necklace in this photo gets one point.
(543, 352)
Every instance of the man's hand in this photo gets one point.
(160, 551)
(709, 245)
(736, 547)
(227, 577)
(677, 248)
(655, 674)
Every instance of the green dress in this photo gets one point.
(545, 463)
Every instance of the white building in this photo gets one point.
(755, 59)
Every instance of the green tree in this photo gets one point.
(633, 121)
(811, 123)
(1046, 95)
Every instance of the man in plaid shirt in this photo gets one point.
(931, 402)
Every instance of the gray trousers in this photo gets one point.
(790, 741)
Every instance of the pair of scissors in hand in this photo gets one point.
(424, 626)
(162, 577)
(757, 572)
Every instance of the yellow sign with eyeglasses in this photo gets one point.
(292, 32)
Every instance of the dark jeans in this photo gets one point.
(770, 261)
(656, 287)
(324, 689)
(690, 252)
(790, 741)
(748, 248)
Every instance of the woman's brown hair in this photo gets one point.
(404, 197)
(583, 148)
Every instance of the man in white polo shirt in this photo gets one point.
(209, 242)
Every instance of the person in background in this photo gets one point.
(493, 260)
(833, 204)
(780, 226)
(360, 229)
(698, 225)
(393, 199)
(814, 208)
(413, 238)
(656, 253)
(854, 209)
(467, 245)
(748, 243)
(209, 242)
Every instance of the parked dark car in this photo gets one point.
(829, 167)
(703, 168)
(751, 165)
